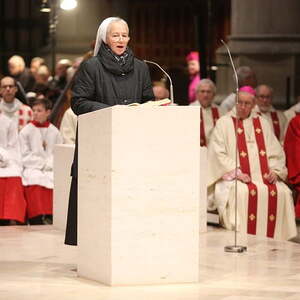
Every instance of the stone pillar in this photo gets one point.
(77, 28)
(266, 36)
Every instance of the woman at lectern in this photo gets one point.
(112, 76)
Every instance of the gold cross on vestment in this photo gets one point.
(272, 218)
(262, 152)
(258, 130)
(252, 217)
(275, 122)
(243, 154)
(240, 130)
(253, 193)
(272, 193)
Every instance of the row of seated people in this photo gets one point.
(265, 202)
(27, 142)
(210, 91)
(272, 124)
(34, 170)
(37, 80)
(276, 123)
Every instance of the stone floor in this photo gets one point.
(34, 264)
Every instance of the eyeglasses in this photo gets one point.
(264, 96)
(241, 103)
(10, 86)
(116, 38)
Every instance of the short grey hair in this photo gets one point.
(17, 60)
(243, 72)
(266, 86)
(207, 82)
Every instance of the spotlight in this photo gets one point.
(45, 7)
(68, 4)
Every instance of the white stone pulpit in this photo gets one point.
(139, 194)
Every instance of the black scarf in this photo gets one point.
(116, 64)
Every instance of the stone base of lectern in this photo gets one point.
(63, 158)
(139, 192)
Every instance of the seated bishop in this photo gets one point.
(209, 112)
(264, 107)
(265, 205)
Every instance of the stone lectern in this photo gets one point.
(139, 194)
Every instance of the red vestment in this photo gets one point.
(292, 151)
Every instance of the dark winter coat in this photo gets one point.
(102, 81)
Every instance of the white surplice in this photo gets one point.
(229, 102)
(37, 146)
(20, 113)
(208, 121)
(10, 159)
(292, 111)
(221, 160)
(68, 126)
(281, 118)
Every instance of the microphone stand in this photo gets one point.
(171, 84)
(235, 248)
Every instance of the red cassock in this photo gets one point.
(39, 200)
(292, 151)
(12, 201)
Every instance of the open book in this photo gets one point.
(162, 102)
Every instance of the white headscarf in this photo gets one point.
(102, 31)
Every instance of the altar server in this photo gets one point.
(12, 201)
(37, 140)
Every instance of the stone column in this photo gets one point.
(266, 36)
(77, 28)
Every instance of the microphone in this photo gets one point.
(170, 80)
(235, 248)
(234, 69)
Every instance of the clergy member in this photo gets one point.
(12, 107)
(37, 140)
(209, 112)
(193, 64)
(12, 201)
(265, 205)
(276, 118)
(292, 151)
